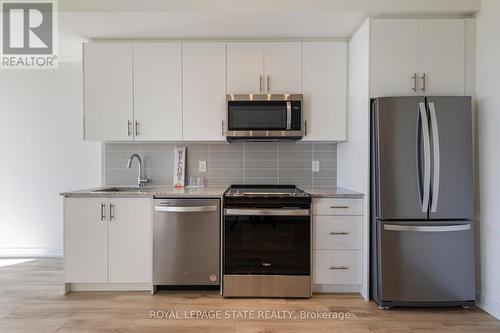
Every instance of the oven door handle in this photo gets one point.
(266, 212)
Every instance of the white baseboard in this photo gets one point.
(489, 305)
(108, 287)
(29, 252)
(336, 288)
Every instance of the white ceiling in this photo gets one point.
(339, 24)
(81, 20)
(240, 18)
(261, 6)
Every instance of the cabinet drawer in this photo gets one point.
(334, 206)
(337, 266)
(337, 232)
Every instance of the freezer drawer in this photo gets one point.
(426, 262)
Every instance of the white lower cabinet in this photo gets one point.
(338, 232)
(337, 244)
(337, 267)
(129, 240)
(107, 240)
(85, 241)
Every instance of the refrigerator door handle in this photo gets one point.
(436, 157)
(427, 157)
(420, 228)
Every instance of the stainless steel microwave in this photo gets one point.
(264, 117)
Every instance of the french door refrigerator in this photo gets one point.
(422, 234)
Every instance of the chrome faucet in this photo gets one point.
(142, 179)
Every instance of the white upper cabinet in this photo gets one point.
(108, 91)
(245, 67)
(417, 57)
(176, 90)
(204, 90)
(393, 57)
(282, 65)
(441, 56)
(157, 91)
(324, 75)
(270, 67)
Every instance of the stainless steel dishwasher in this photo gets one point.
(186, 243)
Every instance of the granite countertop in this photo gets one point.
(332, 192)
(148, 191)
(216, 191)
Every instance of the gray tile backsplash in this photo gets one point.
(236, 163)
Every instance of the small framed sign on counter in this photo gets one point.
(179, 166)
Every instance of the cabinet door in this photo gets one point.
(204, 87)
(245, 67)
(108, 91)
(282, 66)
(324, 75)
(85, 240)
(393, 57)
(158, 91)
(441, 56)
(129, 241)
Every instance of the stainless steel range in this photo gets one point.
(266, 241)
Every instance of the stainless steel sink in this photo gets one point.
(123, 189)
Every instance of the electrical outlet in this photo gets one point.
(202, 166)
(315, 166)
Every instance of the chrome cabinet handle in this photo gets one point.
(111, 212)
(260, 83)
(266, 264)
(305, 127)
(423, 82)
(222, 127)
(129, 128)
(339, 233)
(414, 82)
(103, 214)
(339, 207)
(339, 267)
(137, 128)
(268, 83)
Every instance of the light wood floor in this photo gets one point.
(31, 300)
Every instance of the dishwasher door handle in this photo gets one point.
(185, 209)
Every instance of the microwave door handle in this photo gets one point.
(288, 115)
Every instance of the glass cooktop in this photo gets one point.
(265, 191)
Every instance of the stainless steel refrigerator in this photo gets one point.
(422, 233)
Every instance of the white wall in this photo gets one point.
(488, 105)
(353, 156)
(42, 152)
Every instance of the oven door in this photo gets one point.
(267, 242)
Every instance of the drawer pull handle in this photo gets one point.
(337, 207)
(334, 233)
(339, 267)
